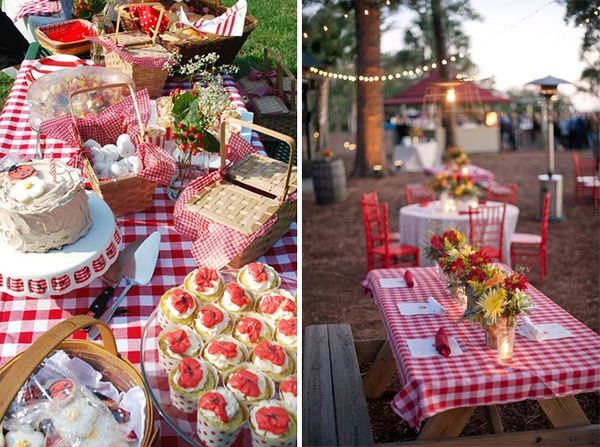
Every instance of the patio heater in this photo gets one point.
(551, 181)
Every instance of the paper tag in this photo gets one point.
(394, 283)
(425, 347)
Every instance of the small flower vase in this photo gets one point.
(491, 330)
(180, 180)
(459, 294)
(101, 24)
(440, 273)
(447, 202)
(471, 299)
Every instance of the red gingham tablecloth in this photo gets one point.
(539, 370)
(38, 8)
(22, 320)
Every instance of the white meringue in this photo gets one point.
(122, 139)
(134, 163)
(126, 148)
(118, 169)
(111, 152)
(91, 144)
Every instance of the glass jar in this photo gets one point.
(101, 24)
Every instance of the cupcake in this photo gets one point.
(277, 304)
(271, 423)
(249, 384)
(259, 277)
(190, 378)
(211, 321)
(176, 307)
(251, 329)
(176, 343)
(24, 435)
(286, 333)
(205, 284)
(220, 418)
(225, 353)
(288, 391)
(270, 358)
(236, 299)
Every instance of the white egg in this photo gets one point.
(122, 139)
(126, 148)
(134, 163)
(111, 152)
(118, 169)
(91, 144)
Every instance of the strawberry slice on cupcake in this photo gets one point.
(205, 284)
(225, 353)
(272, 359)
(211, 321)
(251, 329)
(259, 277)
(286, 333)
(249, 384)
(176, 306)
(236, 299)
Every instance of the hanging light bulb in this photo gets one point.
(366, 12)
(451, 95)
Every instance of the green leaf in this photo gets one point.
(192, 114)
(182, 105)
(211, 144)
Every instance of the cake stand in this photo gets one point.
(60, 271)
(157, 381)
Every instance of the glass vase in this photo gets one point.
(506, 340)
(491, 330)
(101, 24)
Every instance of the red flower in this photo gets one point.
(211, 316)
(515, 281)
(182, 301)
(226, 348)
(251, 327)
(479, 258)
(205, 278)
(288, 327)
(270, 351)
(289, 386)
(214, 402)
(476, 275)
(258, 270)
(238, 295)
(436, 242)
(457, 267)
(451, 236)
(245, 381)
(178, 341)
(190, 373)
(274, 419)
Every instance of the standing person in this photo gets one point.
(537, 129)
(564, 132)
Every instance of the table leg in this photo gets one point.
(380, 373)
(494, 419)
(564, 412)
(448, 424)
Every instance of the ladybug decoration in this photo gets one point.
(148, 17)
(61, 389)
(20, 172)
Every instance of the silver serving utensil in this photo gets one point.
(138, 271)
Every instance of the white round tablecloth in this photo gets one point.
(417, 221)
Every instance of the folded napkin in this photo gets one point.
(435, 307)
(530, 330)
(441, 342)
(431, 307)
(408, 277)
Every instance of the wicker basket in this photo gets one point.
(127, 194)
(139, 44)
(253, 190)
(104, 358)
(76, 48)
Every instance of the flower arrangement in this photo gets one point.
(440, 246)
(85, 9)
(455, 156)
(455, 184)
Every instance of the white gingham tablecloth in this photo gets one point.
(22, 320)
(539, 370)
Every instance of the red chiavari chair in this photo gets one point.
(486, 228)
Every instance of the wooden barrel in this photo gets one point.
(329, 180)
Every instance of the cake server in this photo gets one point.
(138, 271)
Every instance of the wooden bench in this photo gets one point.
(334, 409)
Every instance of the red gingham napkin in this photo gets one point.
(145, 62)
(38, 8)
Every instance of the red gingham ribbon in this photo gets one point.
(38, 8)
(230, 23)
(145, 62)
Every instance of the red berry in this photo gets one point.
(184, 146)
(186, 134)
(181, 126)
(192, 128)
(197, 136)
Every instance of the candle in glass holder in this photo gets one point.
(464, 170)
(505, 337)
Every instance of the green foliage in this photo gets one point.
(6, 83)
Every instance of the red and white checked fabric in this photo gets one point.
(22, 320)
(539, 370)
(38, 8)
(230, 23)
(141, 61)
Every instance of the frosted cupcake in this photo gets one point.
(220, 418)
(271, 423)
(258, 277)
(277, 304)
(286, 333)
(249, 384)
(211, 321)
(270, 358)
(205, 284)
(190, 378)
(251, 329)
(225, 353)
(236, 299)
(176, 307)
(288, 392)
(175, 343)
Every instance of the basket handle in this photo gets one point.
(21, 369)
(102, 87)
(285, 138)
(122, 7)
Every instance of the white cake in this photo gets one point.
(39, 213)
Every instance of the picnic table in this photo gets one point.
(22, 320)
(439, 394)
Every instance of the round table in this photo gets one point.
(416, 222)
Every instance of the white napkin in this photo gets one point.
(431, 307)
(435, 307)
(530, 330)
(394, 283)
(425, 347)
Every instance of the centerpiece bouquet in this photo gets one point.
(455, 157)
(454, 187)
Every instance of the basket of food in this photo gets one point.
(250, 204)
(69, 37)
(74, 392)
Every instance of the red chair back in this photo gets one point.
(373, 223)
(486, 226)
(503, 193)
(583, 166)
(371, 198)
(545, 218)
(416, 192)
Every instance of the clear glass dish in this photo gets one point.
(158, 384)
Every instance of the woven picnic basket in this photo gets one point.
(251, 192)
(127, 194)
(140, 45)
(227, 47)
(76, 48)
(104, 357)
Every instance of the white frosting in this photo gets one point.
(216, 329)
(279, 313)
(289, 399)
(175, 312)
(201, 383)
(76, 419)
(191, 351)
(248, 279)
(57, 217)
(232, 406)
(288, 340)
(219, 360)
(267, 366)
(24, 435)
(261, 382)
(254, 423)
(230, 305)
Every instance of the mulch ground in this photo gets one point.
(334, 264)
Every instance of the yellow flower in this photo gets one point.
(458, 191)
(492, 303)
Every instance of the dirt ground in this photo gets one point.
(334, 264)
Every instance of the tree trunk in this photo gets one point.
(445, 70)
(323, 114)
(369, 130)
